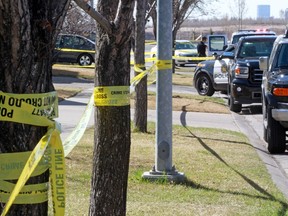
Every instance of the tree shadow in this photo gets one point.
(265, 195)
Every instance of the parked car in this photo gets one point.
(211, 75)
(244, 74)
(184, 50)
(275, 95)
(74, 49)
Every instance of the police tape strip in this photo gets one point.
(75, 50)
(11, 165)
(29, 194)
(111, 96)
(74, 137)
(142, 73)
(74, 66)
(164, 64)
(192, 58)
(17, 110)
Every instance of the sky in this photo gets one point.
(224, 7)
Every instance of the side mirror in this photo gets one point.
(263, 63)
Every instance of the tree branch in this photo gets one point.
(95, 15)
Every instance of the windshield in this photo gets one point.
(250, 49)
(185, 46)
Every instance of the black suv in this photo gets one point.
(275, 95)
(244, 75)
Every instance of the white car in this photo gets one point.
(183, 48)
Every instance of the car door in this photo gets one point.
(67, 52)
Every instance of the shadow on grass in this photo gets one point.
(266, 195)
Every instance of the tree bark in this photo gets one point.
(112, 123)
(140, 115)
(27, 34)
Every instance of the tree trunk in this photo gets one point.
(27, 34)
(140, 115)
(112, 123)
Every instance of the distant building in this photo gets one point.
(263, 11)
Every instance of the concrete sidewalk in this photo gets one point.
(71, 110)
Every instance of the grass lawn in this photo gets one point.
(224, 176)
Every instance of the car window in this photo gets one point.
(282, 59)
(217, 43)
(185, 46)
(66, 42)
(78, 43)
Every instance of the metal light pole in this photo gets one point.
(163, 158)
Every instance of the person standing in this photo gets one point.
(201, 47)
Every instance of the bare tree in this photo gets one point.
(28, 30)
(78, 22)
(112, 128)
(140, 115)
(182, 10)
(239, 7)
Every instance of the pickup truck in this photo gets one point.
(275, 95)
(244, 74)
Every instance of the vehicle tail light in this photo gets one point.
(241, 72)
(280, 91)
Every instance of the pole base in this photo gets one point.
(173, 176)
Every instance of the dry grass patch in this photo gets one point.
(185, 79)
(64, 93)
(190, 103)
(73, 71)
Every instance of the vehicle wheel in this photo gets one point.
(276, 135)
(232, 106)
(204, 85)
(85, 59)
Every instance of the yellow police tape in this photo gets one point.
(75, 50)
(193, 58)
(142, 73)
(111, 96)
(37, 110)
(11, 165)
(164, 64)
(71, 141)
(160, 65)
